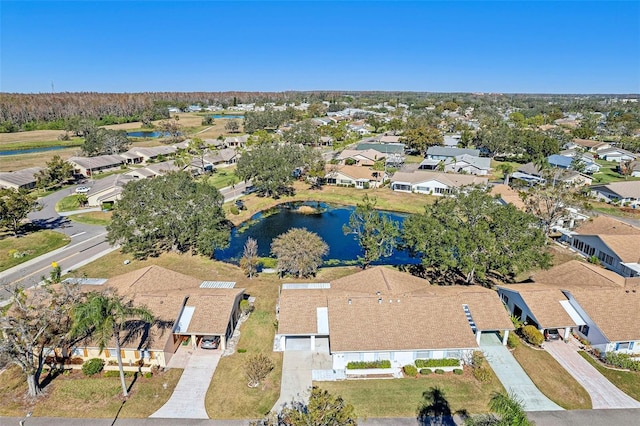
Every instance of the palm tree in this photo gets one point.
(105, 316)
(506, 169)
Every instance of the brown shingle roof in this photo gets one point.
(627, 247)
(615, 311)
(509, 195)
(544, 303)
(606, 225)
(213, 309)
(152, 279)
(385, 280)
(298, 311)
(578, 274)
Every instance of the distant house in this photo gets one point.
(470, 164)
(451, 141)
(389, 139)
(236, 141)
(618, 155)
(635, 168)
(532, 174)
(222, 157)
(444, 152)
(615, 244)
(590, 145)
(326, 141)
(564, 162)
(433, 183)
(153, 170)
(88, 166)
(108, 190)
(367, 316)
(152, 153)
(20, 179)
(625, 193)
(504, 195)
(360, 158)
(384, 148)
(355, 176)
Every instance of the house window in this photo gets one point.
(584, 329)
(505, 299)
(422, 355)
(622, 346)
(382, 356)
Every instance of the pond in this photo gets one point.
(146, 134)
(33, 150)
(343, 249)
(237, 117)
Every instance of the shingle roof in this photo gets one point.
(508, 195)
(451, 152)
(628, 189)
(626, 247)
(606, 225)
(298, 311)
(578, 274)
(20, 178)
(453, 180)
(213, 308)
(544, 303)
(98, 161)
(355, 172)
(388, 282)
(615, 311)
(587, 143)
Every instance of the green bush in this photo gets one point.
(92, 366)
(482, 374)
(439, 371)
(242, 350)
(621, 361)
(532, 335)
(458, 371)
(245, 306)
(445, 362)
(148, 375)
(359, 365)
(116, 373)
(425, 371)
(512, 341)
(234, 210)
(410, 370)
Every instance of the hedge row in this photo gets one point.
(445, 362)
(360, 365)
(621, 361)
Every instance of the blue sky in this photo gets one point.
(476, 46)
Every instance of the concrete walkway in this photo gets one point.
(603, 393)
(296, 377)
(187, 400)
(512, 376)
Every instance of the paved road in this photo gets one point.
(187, 399)
(603, 393)
(512, 376)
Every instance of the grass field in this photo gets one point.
(627, 381)
(32, 245)
(92, 218)
(552, 379)
(609, 174)
(75, 395)
(403, 397)
(68, 203)
(223, 177)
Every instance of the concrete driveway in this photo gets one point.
(187, 400)
(296, 377)
(512, 376)
(603, 393)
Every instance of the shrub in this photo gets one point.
(256, 368)
(242, 350)
(532, 335)
(148, 375)
(92, 366)
(477, 359)
(458, 371)
(439, 371)
(621, 361)
(245, 307)
(512, 341)
(425, 371)
(116, 373)
(482, 374)
(234, 210)
(359, 365)
(410, 370)
(445, 362)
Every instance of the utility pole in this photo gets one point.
(52, 90)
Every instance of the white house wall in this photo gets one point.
(514, 299)
(431, 187)
(398, 358)
(597, 248)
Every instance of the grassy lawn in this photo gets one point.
(75, 395)
(223, 177)
(33, 245)
(387, 200)
(608, 173)
(11, 146)
(402, 397)
(627, 381)
(68, 203)
(92, 218)
(552, 380)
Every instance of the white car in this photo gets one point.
(82, 189)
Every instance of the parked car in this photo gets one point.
(552, 334)
(240, 205)
(210, 342)
(82, 189)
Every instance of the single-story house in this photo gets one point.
(385, 148)
(597, 304)
(452, 141)
(153, 170)
(355, 176)
(20, 179)
(626, 193)
(589, 144)
(394, 139)
(236, 141)
(109, 189)
(504, 195)
(360, 158)
(564, 162)
(433, 183)
(445, 152)
(383, 314)
(152, 152)
(470, 164)
(615, 244)
(185, 309)
(326, 141)
(88, 166)
(618, 155)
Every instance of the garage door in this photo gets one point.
(322, 344)
(298, 344)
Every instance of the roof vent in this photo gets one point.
(349, 301)
(378, 293)
(380, 300)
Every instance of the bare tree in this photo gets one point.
(37, 322)
(232, 126)
(250, 261)
(256, 368)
